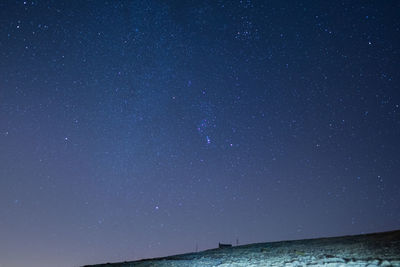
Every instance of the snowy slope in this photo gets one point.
(380, 249)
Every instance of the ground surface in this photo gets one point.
(381, 249)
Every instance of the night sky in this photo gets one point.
(134, 129)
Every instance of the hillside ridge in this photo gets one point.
(372, 249)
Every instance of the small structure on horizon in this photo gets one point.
(220, 245)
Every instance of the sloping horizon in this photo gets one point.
(371, 249)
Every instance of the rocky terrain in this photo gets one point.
(380, 249)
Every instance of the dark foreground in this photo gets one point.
(380, 249)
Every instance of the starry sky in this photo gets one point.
(134, 129)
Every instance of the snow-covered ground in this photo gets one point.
(381, 249)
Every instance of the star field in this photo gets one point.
(134, 129)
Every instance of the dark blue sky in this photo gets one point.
(132, 129)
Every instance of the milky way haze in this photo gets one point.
(133, 129)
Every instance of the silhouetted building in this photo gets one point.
(224, 245)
